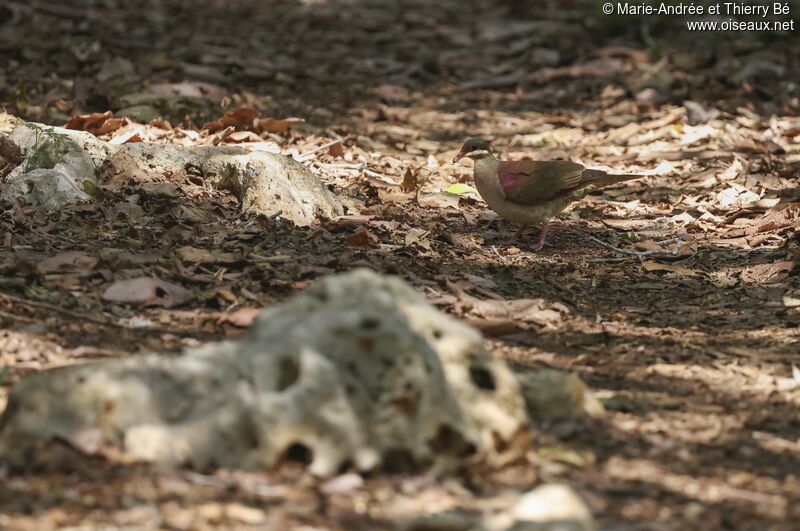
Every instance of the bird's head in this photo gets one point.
(474, 148)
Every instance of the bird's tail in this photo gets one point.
(599, 178)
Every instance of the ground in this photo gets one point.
(693, 352)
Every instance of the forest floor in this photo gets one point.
(694, 352)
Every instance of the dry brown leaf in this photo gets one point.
(685, 250)
(166, 190)
(271, 125)
(393, 195)
(439, 200)
(627, 224)
(83, 121)
(242, 318)
(161, 123)
(409, 183)
(224, 294)
(198, 256)
(147, 291)
(98, 123)
(652, 265)
(69, 261)
(343, 222)
(733, 171)
(531, 311)
(190, 89)
(110, 125)
(196, 214)
(127, 211)
(238, 137)
(768, 273)
(385, 225)
(787, 217)
(636, 56)
(336, 150)
(361, 239)
(127, 137)
(493, 327)
(241, 118)
(417, 236)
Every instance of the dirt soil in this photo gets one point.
(692, 344)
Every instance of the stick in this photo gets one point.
(641, 255)
(52, 307)
(310, 155)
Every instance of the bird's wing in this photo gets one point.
(530, 182)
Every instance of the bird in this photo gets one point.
(531, 191)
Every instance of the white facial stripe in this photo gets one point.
(478, 153)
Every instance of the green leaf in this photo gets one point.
(36, 291)
(460, 189)
(557, 453)
(89, 188)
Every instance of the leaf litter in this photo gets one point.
(695, 344)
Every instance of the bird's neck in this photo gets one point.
(486, 168)
(486, 180)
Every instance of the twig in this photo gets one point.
(55, 9)
(371, 173)
(13, 282)
(70, 313)
(87, 317)
(610, 259)
(674, 155)
(515, 78)
(343, 165)
(310, 155)
(276, 259)
(502, 258)
(16, 317)
(217, 138)
(361, 168)
(641, 255)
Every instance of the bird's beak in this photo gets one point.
(458, 157)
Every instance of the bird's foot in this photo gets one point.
(516, 237)
(539, 246)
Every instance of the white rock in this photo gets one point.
(48, 187)
(554, 395)
(448, 521)
(263, 182)
(358, 369)
(552, 507)
(72, 157)
(266, 183)
(27, 138)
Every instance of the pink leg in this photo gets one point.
(540, 245)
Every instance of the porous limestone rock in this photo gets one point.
(57, 163)
(551, 507)
(548, 507)
(28, 137)
(557, 395)
(52, 188)
(359, 369)
(447, 521)
(263, 182)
